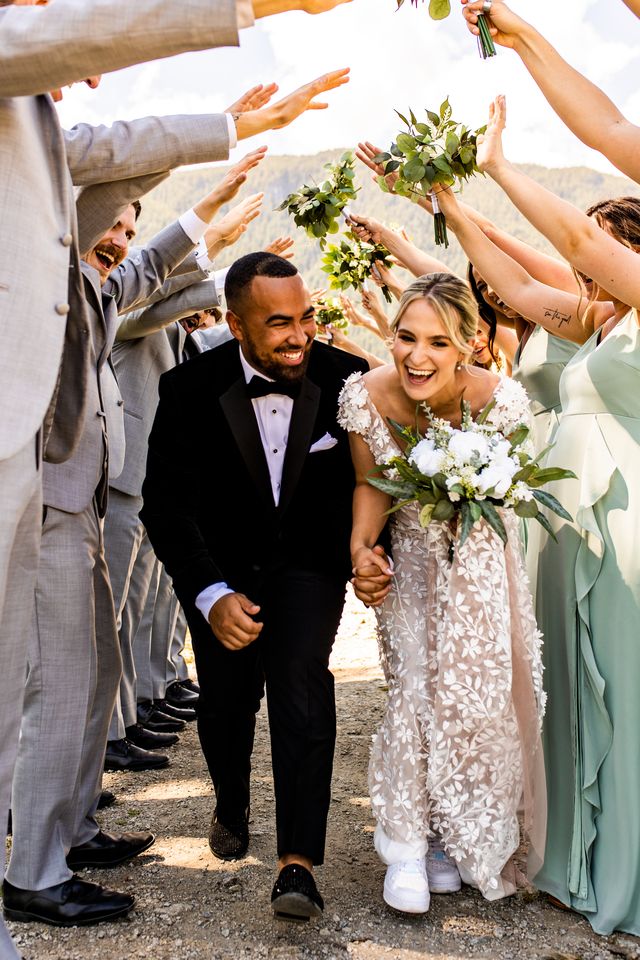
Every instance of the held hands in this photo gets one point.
(504, 26)
(285, 111)
(372, 575)
(230, 618)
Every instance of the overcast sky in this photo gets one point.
(398, 60)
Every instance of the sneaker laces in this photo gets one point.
(411, 873)
(438, 856)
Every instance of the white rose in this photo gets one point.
(426, 458)
(498, 477)
(466, 444)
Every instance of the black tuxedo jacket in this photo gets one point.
(208, 506)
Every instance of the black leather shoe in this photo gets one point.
(189, 685)
(180, 713)
(125, 756)
(107, 799)
(155, 720)
(150, 739)
(295, 895)
(108, 849)
(179, 696)
(229, 841)
(72, 903)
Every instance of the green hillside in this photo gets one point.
(278, 176)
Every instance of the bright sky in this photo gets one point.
(398, 60)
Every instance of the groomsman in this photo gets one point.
(260, 562)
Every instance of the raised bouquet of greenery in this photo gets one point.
(440, 10)
(329, 313)
(465, 475)
(349, 263)
(317, 209)
(438, 152)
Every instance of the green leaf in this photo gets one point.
(443, 510)
(452, 143)
(519, 436)
(426, 514)
(406, 142)
(549, 501)
(404, 119)
(544, 522)
(526, 509)
(395, 488)
(466, 521)
(382, 157)
(484, 413)
(439, 9)
(476, 510)
(550, 474)
(391, 165)
(492, 517)
(423, 129)
(413, 171)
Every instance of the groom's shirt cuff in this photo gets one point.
(210, 595)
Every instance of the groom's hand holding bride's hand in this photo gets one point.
(231, 619)
(372, 573)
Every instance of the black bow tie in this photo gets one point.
(259, 387)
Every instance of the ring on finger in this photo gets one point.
(486, 6)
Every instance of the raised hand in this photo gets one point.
(254, 99)
(365, 228)
(226, 231)
(237, 174)
(490, 153)
(504, 26)
(282, 247)
(366, 152)
(285, 111)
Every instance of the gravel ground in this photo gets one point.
(191, 906)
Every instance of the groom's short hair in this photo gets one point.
(244, 270)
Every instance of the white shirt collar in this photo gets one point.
(250, 371)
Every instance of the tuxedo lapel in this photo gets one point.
(303, 418)
(238, 410)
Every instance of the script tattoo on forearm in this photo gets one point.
(556, 315)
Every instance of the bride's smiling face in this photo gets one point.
(423, 353)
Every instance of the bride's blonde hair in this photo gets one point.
(452, 300)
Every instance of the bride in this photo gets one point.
(456, 751)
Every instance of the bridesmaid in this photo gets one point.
(589, 583)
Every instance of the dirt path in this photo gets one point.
(191, 906)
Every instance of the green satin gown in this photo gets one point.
(588, 607)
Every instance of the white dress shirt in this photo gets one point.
(273, 415)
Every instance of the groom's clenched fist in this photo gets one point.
(230, 620)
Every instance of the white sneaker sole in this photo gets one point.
(402, 903)
(445, 887)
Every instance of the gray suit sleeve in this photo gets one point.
(102, 204)
(174, 306)
(42, 48)
(174, 284)
(150, 145)
(136, 278)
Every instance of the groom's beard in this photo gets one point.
(270, 365)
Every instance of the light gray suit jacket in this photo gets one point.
(140, 358)
(71, 485)
(42, 48)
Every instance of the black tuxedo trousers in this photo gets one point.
(301, 612)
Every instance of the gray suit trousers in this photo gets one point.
(72, 680)
(177, 668)
(134, 574)
(20, 524)
(152, 642)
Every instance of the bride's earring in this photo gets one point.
(459, 365)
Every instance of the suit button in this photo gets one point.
(66, 240)
(120, 403)
(62, 309)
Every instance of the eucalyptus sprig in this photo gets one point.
(349, 263)
(437, 152)
(317, 208)
(329, 312)
(440, 10)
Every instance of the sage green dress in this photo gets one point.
(588, 607)
(538, 365)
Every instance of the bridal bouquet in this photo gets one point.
(439, 151)
(351, 262)
(329, 313)
(440, 10)
(317, 209)
(464, 475)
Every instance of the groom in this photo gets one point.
(247, 502)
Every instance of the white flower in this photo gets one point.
(427, 458)
(497, 476)
(467, 444)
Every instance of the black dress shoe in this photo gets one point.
(189, 685)
(150, 739)
(72, 903)
(180, 713)
(153, 719)
(229, 841)
(179, 696)
(122, 755)
(295, 895)
(108, 849)
(107, 799)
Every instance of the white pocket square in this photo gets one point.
(324, 443)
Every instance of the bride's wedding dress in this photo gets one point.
(459, 746)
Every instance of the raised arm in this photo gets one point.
(167, 308)
(614, 267)
(415, 260)
(583, 107)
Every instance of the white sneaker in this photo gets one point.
(406, 886)
(442, 871)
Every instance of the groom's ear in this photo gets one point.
(235, 324)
